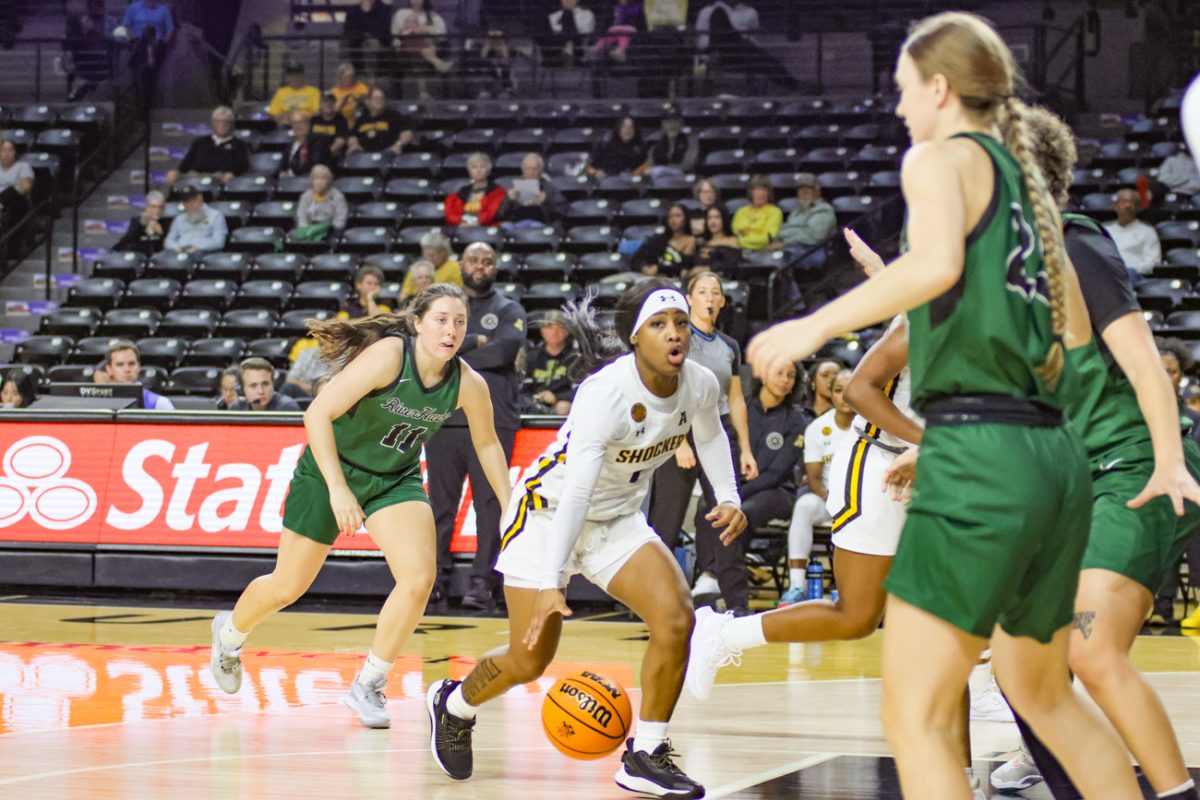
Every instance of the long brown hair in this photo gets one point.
(341, 340)
(976, 63)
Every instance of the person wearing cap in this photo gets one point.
(199, 229)
(675, 150)
(757, 224)
(295, 95)
(330, 125)
(221, 154)
(812, 222)
(547, 368)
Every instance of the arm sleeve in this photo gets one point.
(501, 352)
(1103, 278)
(276, 107)
(173, 235)
(241, 157)
(712, 448)
(130, 239)
(821, 223)
(454, 209)
(189, 158)
(586, 448)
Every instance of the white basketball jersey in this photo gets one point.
(640, 431)
(899, 389)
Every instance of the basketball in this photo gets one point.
(586, 715)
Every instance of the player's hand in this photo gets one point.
(730, 518)
(1174, 482)
(549, 601)
(749, 465)
(899, 477)
(783, 344)
(346, 510)
(861, 252)
(685, 456)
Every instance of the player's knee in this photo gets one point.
(288, 589)
(416, 580)
(675, 626)
(859, 625)
(1096, 667)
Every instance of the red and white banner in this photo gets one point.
(188, 484)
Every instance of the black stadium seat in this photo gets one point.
(248, 188)
(491, 235)
(386, 212)
(122, 266)
(227, 266)
(130, 322)
(293, 323)
(92, 349)
(366, 240)
(320, 294)
(101, 293)
(541, 267)
(290, 188)
(195, 380)
(408, 190)
(412, 165)
(72, 373)
(359, 190)
(274, 350)
(248, 323)
(75, 321)
(270, 294)
(1162, 294)
(331, 267)
(597, 266)
(394, 265)
(165, 351)
(192, 323)
(274, 213)
(204, 293)
(168, 264)
(532, 240)
(278, 266)
(45, 350)
(362, 163)
(215, 352)
(157, 293)
(256, 239)
(549, 295)
(590, 239)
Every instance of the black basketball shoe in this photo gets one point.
(449, 736)
(655, 774)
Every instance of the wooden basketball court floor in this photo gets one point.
(117, 702)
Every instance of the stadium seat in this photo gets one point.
(849, 207)
(293, 323)
(121, 266)
(168, 264)
(362, 163)
(618, 188)
(589, 212)
(476, 139)
(1118, 155)
(848, 351)
(731, 185)
(574, 140)
(195, 381)
(73, 322)
(721, 137)
(92, 349)
(408, 190)
(157, 293)
(542, 267)
(874, 157)
(249, 188)
(191, 323)
(509, 266)
(1183, 257)
(840, 184)
(394, 265)
(35, 117)
(824, 159)
(101, 293)
(508, 165)
(278, 266)
(359, 190)
(669, 188)
(412, 165)
(453, 171)
(320, 294)
(1162, 150)
(569, 163)
(216, 352)
(256, 239)
(203, 184)
(590, 239)
(274, 350)
(263, 293)
(464, 236)
(640, 233)
(162, 351)
(366, 240)
(331, 267)
(223, 266)
(549, 295)
(605, 294)
(885, 180)
(821, 135)
(289, 188)
(369, 215)
(641, 212)
(235, 212)
(451, 116)
(1174, 233)
(770, 137)
(409, 238)
(430, 214)
(496, 115)
(577, 187)
(277, 140)
(1162, 295)
(520, 141)
(132, 323)
(862, 134)
(719, 162)
(204, 293)
(1182, 325)
(71, 373)
(303, 245)
(274, 213)
(597, 266)
(513, 291)
(780, 159)
(532, 240)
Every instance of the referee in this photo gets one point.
(495, 335)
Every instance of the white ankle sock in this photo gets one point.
(374, 669)
(796, 577)
(1180, 790)
(457, 705)
(649, 735)
(742, 633)
(231, 638)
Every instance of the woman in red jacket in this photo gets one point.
(480, 202)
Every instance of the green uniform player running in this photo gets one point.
(997, 528)
(362, 465)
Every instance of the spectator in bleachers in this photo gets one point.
(416, 33)
(306, 150)
(304, 372)
(295, 95)
(151, 28)
(257, 377)
(1191, 397)
(756, 225)
(1178, 363)
(1137, 241)
(18, 390)
(549, 388)
(487, 65)
(820, 386)
(227, 388)
(706, 194)
(123, 364)
(330, 125)
(435, 248)
(221, 154)
(495, 336)
(145, 233)
(16, 185)
(1178, 173)
(622, 151)
(533, 198)
(380, 128)
(812, 222)
(671, 253)
(364, 300)
(567, 31)
(480, 202)
(627, 20)
(350, 93)
(199, 229)
(86, 60)
(666, 13)
(322, 202)
(719, 250)
(730, 24)
(366, 20)
(420, 275)
(675, 150)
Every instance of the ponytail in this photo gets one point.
(598, 346)
(1017, 138)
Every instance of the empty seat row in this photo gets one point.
(165, 352)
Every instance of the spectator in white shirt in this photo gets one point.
(569, 27)
(416, 33)
(1137, 241)
(199, 229)
(1179, 174)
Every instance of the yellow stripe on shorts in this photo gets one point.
(852, 502)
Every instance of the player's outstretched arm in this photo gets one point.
(476, 402)
(865, 391)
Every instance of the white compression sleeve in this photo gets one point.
(712, 450)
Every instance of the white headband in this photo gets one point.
(660, 300)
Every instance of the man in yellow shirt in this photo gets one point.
(294, 95)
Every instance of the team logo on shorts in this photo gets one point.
(774, 440)
(489, 322)
(638, 412)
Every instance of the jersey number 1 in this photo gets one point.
(402, 437)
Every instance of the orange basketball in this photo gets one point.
(586, 715)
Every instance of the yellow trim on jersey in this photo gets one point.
(854, 486)
(532, 498)
(871, 430)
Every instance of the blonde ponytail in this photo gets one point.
(1018, 140)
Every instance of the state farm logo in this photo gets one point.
(34, 483)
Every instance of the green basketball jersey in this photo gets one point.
(992, 329)
(1096, 395)
(383, 432)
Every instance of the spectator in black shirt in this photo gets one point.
(366, 20)
(145, 233)
(621, 151)
(330, 125)
(307, 150)
(675, 150)
(672, 252)
(380, 128)
(221, 154)
(549, 388)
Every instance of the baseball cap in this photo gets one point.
(805, 179)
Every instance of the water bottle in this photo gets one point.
(816, 581)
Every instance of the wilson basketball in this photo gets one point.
(586, 715)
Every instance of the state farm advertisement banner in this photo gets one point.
(189, 485)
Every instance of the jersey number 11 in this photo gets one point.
(402, 437)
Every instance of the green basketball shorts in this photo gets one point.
(996, 529)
